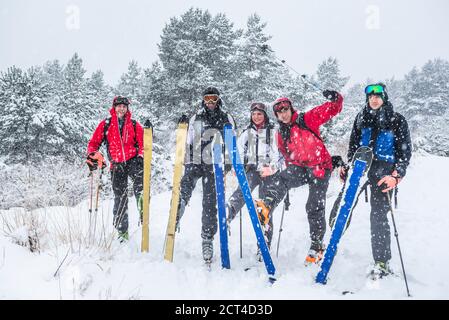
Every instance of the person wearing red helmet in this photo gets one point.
(307, 162)
(124, 144)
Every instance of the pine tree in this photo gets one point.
(77, 113)
(195, 52)
(258, 75)
(23, 122)
(329, 77)
(425, 104)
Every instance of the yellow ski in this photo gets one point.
(181, 136)
(147, 156)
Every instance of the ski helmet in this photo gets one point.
(211, 90)
(378, 89)
(120, 100)
(281, 103)
(259, 106)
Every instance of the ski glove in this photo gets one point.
(389, 182)
(331, 95)
(139, 160)
(337, 161)
(266, 171)
(95, 160)
(343, 172)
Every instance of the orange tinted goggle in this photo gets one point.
(210, 98)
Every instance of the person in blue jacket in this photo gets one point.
(386, 132)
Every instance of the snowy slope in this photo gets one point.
(108, 270)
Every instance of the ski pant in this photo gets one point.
(294, 177)
(192, 173)
(380, 227)
(132, 168)
(236, 201)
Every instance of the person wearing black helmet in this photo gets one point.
(124, 143)
(261, 159)
(378, 126)
(203, 126)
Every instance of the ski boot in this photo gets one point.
(123, 236)
(259, 255)
(263, 212)
(208, 251)
(315, 254)
(139, 200)
(380, 270)
(180, 213)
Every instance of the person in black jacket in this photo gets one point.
(203, 127)
(386, 132)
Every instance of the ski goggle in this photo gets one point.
(211, 98)
(121, 100)
(282, 106)
(258, 107)
(374, 88)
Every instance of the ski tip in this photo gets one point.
(148, 124)
(228, 126)
(183, 119)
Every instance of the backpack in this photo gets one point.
(337, 161)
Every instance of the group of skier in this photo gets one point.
(276, 160)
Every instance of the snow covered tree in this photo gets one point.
(329, 76)
(258, 76)
(425, 104)
(100, 93)
(130, 81)
(23, 95)
(195, 50)
(130, 86)
(77, 113)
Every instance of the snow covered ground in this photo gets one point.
(71, 267)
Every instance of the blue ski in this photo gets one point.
(361, 164)
(221, 205)
(231, 145)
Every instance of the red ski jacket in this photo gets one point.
(303, 148)
(120, 147)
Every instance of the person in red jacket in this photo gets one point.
(124, 143)
(307, 162)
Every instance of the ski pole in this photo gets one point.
(284, 208)
(241, 249)
(397, 241)
(99, 186)
(265, 48)
(91, 196)
(91, 191)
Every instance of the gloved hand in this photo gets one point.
(95, 160)
(337, 161)
(331, 95)
(389, 182)
(342, 172)
(266, 171)
(139, 160)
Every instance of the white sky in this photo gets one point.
(370, 38)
